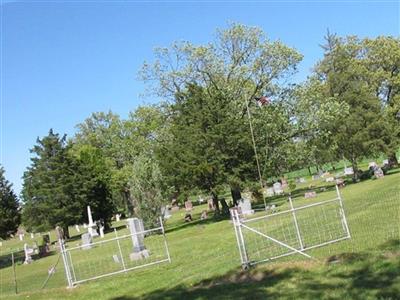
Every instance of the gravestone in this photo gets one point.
(385, 162)
(284, 183)
(270, 192)
(44, 248)
(86, 241)
(273, 208)
(348, 171)
(188, 205)
(117, 217)
(316, 177)
(165, 212)
(85, 225)
(378, 172)
(28, 254)
(101, 231)
(77, 228)
(310, 195)
(21, 236)
(136, 229)
(201, 200)
(372, 164)
(330, 179)
(91, 226)
(245, 206)
(210, 204)
(203, 215)
(278, 188)
(32, 235)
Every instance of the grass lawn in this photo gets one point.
(206, 265)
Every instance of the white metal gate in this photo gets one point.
(293, 231)
(113, 256)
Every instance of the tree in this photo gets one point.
(58, 186)
(346, 78)
(239, 65)
(9, 208)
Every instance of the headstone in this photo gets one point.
(77, 228)
(330, 179)
(203, 215)
(278, 188)
(21, 236)
(284, 183)
(378, 173)
(245, 206)
(372, 164)
(270, 192)
(116, 258)
(201, 200)
(91, 226)
(348, 171)
(273, 208)
(85, 225)
(101, 231)
(210, 204)
(32, 235)
(316, 177)
(165, 212)
(136, 229)
(188, 205)
(86, 241)
(385, 162)
(117, 217)
(310, 195)
(28, 254)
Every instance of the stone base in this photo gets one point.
(139, 255)
(248, 212)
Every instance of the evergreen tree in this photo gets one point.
(9, 208)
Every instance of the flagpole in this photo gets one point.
(255, 152)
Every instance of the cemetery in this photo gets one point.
(166, 150)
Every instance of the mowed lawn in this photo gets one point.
(206, 265)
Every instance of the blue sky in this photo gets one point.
(63, 60)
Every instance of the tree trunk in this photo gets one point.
(66, 232)
(236, 194)
(355, 170)
(128, 202)
(393, 162)
(215, 201)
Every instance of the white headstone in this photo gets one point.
(32, 236)
(86, 241)
(85, 225)
(348, 171)
(302, 180)
(330, 179)
(136, 227)
(91, 226)
(21, 236)
(245, 206)
(270, 192)
(278, 188)
(77, 228)
(385, 162)
(28, 254)
(117, 217)
(165, 212)
(188, 205)
(101, 231)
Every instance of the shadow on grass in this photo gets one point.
(348, 275)
(209, 220)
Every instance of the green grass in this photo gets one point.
(205, 261)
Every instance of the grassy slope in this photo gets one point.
(205, 262)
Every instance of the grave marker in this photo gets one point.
(245, 206)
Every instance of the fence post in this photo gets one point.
(14, 273)
(165, 239)
(120, 251)
(295, 223)
(344, 219)
(65, 261)
(242, 246)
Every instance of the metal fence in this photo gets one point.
(292, 231)
(113, 256)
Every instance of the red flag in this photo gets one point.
(262, 101)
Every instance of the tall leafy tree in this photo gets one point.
(236, 67)
(58, 186)
(9, 208)
(346, 78)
